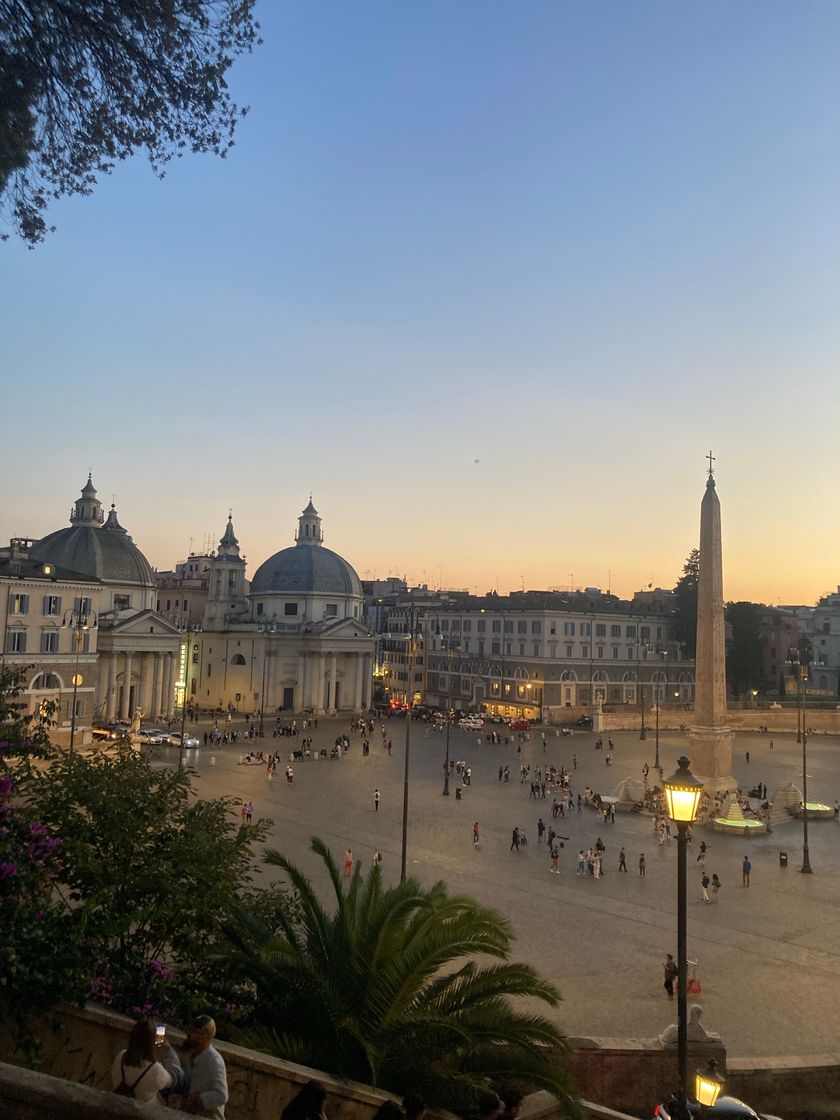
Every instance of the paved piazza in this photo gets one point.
(769, 955)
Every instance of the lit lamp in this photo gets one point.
(708, 1084)
(682, 794)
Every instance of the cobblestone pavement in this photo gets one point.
(769, 955)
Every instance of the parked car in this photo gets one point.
(471, 723)
(584, 722)
(174, 740)
(520, 725)
(113, 729)
(724, 1108)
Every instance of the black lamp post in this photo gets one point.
(682, 793)
(801, 679)
(643, 732)
(412, 645)
(80, 620)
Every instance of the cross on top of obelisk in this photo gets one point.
(710, 481)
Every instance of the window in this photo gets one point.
(46, 680)
(645, 633)
(480, 647)
(52, 604)
(615, 631)
(495, 647)
(507, 647)
(630, 653)
(615, 652)
(584, 651)
(552, 649)
(20, 604)
(600, 629)
(466, 626)
(658, 633)
(289, 609)
(521, 649)
(466, 645)
(209, 669)
(568, 628)
(456, 624)
(586, 629)
(331, 611)
(259, 608)
(123, 602)
(508, 625)
(481, 626)
(536, 649)
(81, 604)
(497, 626)
(16, 641)
(600, 651)
(49, 641)
(629, 631)
(237, 659)
(521, 626)
(569, 650)
(444, 625)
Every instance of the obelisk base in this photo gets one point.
(710, 750)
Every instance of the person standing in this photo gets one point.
(622, 861)
(581, 868)
(475, 834)
(206, 1068)
(377, 857)
(746, 868)
(671, 972)
(249, 812)
(705, 882)
(540, 830)
(555, 861)
(715, 887)
(376, 796)
(514, 841)
(642, 865)
(348, 863)
(574, 761)
(146, 1066)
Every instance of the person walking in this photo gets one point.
(622, 861)
(715, 887)
(671, 972)
(377, 857)
(705, 882)
(574, 761)
(540, 830)
(746, 868)
(514, 841)
(642, 865)
(376, 796)
(555, 861)
(475, 834)
(701, 856)
(348, 863)
(581, 868)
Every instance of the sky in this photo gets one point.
(488, 280)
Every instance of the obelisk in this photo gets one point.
(710, 738)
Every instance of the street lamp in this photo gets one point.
(658, 698)
(80, 619)
(682, 794)
(266, 652)
(412, 646)
(448, 716)
(802, 678)
(708, 1084)
(643, 732)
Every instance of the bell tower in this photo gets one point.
(226, 595)
(309, 526)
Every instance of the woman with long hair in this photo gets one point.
(147, 1066)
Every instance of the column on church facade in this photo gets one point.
(358, 677)
(111, 701)
(367, 696)
(170, 697)
(145, 701)
(157, 683)
(101, 701)
(300, 688)
(167, 678)
(318, 704)
(332, 695)
(126, 692)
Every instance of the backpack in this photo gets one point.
(124, 1089)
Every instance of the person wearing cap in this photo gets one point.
(208, 1077)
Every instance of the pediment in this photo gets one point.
(145, 623)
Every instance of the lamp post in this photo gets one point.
(80, 619)
(410, 699)
(643, 732)
(802, 678)
(682, 793)
(707, 1085)
(448, 717)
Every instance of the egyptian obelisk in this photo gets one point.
(710, 738)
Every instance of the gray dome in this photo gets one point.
(100, 552)
(304, 568)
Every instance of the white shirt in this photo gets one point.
(148, 1090)
(208, 1078)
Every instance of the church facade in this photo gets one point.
(294, 641)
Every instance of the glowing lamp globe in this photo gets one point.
(708, 1084)
(682, 792)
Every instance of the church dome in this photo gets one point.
(306, 566)
(100, 551)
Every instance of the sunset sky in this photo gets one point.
(488, 280)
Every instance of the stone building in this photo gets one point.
(137, 650)
(294, 641)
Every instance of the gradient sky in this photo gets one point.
(487, 279)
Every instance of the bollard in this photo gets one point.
(212, 760)
(783, 862)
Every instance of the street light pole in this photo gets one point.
(643, 732)
(806, 856)
(77, 619)
(410, 698)
(682, 792)
(656, 760)
(184, 702)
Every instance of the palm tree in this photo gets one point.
(385, 989)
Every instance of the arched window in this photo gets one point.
(44, 682)
(568, 675)
(237, 659)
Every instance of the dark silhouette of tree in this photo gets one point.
(685, 591)
(83, 85)
(744, 661)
